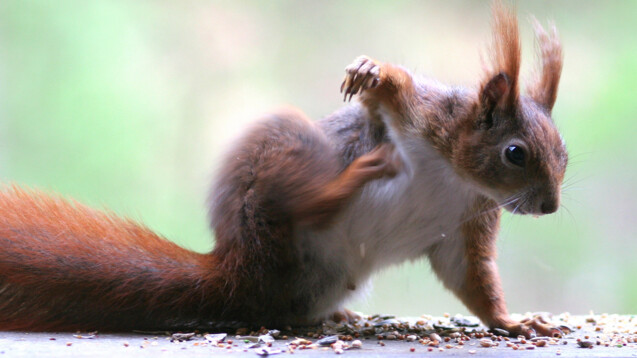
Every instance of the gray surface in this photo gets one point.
(20, 344)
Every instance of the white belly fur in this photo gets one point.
(391, 221)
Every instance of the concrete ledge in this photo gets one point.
(609, 335)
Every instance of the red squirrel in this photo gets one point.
(304, 212)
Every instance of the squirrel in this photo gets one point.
(306, 211)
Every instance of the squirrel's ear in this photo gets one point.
(495, 92)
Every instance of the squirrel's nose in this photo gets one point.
(549, 206)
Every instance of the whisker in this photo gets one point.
(570, 214)
(520, 203)
(571, 198)
(578, 155)
(570, 189)
(510, 200)
(571, 180)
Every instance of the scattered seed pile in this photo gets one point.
(426, 333)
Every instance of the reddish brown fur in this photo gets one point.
(282, 173)
(395, 92)
(483, 293)
(92, 270)
(505, 50)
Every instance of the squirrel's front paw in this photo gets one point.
(345, 315)
(530, 327)
(362, 74)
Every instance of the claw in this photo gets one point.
(358, 82)
(361, 75)
(346, 86)
(366, 68)
(358, 63)
(565, 329)
(368, 83)
(556, 333)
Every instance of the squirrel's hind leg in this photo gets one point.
(286, 170)
(282, 174)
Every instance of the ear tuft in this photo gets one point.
(505, 54)
(543, 89)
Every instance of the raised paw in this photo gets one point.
(360, 75)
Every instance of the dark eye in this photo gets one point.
(515, 155)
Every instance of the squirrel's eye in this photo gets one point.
(515, 155)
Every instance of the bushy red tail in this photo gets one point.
(64, 266)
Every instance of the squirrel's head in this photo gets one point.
(510, 147)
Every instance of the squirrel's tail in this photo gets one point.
(64, 266)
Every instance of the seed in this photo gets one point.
(540, 343)
(486, 342)
(412, 349)
(585, 344)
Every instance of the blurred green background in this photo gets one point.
(127, 105)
